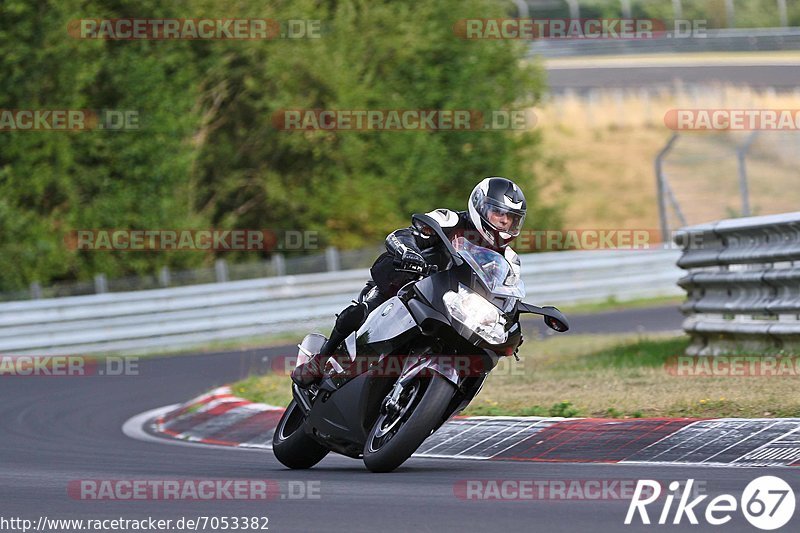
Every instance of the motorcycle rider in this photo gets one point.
(495, 214)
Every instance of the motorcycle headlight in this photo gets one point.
(477, 314)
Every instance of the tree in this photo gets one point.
(207, 153)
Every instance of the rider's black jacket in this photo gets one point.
(454, 224)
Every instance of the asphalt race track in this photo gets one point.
(61, 429)
(653, 319)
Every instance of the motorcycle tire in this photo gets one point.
(386, 455)
(290, 444)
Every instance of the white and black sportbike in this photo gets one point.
(428, 351)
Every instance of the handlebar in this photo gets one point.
(426, 270)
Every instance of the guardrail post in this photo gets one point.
(36, 291)
(730, 14)
(100, 284)
(221, 270)
(782, 13)
(677, 9)
(626, 8)
(574, 9)
(279, 264)
(332, 258)
(163, 276)
(522, 8)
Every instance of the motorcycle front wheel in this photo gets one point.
(398, 433)
(290, 444)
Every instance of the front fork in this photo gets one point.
(455, 369)
(459, 370)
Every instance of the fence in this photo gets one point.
(717, 175)
(766, 12)
(743, 285)
(767, 28)
(142, 321)
(279, 265)
(727, 40)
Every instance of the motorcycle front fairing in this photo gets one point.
(432, 291)
(482, 271)
(434, 320)
(418, 310)
(387, 328)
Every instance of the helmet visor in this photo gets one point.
(501, 217)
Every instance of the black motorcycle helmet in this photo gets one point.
(497, 210)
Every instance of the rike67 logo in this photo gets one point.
(767, 502)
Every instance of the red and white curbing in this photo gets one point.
(221, 418)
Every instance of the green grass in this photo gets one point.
(603, 376)
(644, 353)
(271, 389)
(613, 304)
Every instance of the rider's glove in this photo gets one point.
(412, 260)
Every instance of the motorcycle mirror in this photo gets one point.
(554, 323)
(553, 318)
(425, 221)
(424, 228)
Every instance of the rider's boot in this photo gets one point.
(348, 321)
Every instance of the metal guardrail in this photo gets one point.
(576, 8)
(743, 284)
(723, 40)
(141, 321)
(328, 260)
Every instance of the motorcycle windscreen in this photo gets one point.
(494, 270)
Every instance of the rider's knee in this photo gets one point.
(351, 317)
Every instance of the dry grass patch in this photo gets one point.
(600, 150)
